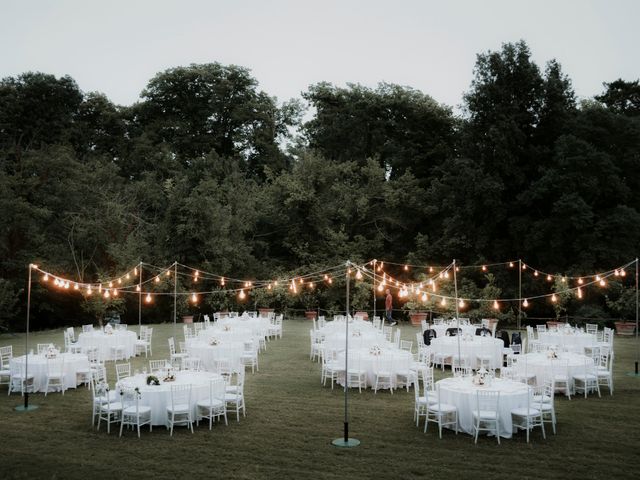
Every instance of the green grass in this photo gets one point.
(291, 420)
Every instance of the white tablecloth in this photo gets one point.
(104, 342)
(158, 397)
(472, 348)
(461, 392)
(441, 329)
(361, 356)
(210, 354)
(544, 367)
(577, 341)
(38, 368)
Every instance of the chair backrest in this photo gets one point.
(180, 395)
(172, 346)
(461, 370)
(396, 340)
(157, 365)
(541, 328)
(407, 344)
(504, 336)
(123, 370)
(55, 366)
(42, 348)
(6, 354)
(453, 331)
(428, 378)
(591, 328)
(388, 333)
(487, 400)
(217, 389)
(71, 333)
(191, 363)
(87, 328)
(516, 338)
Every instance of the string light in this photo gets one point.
(580, 281)
(430, 269)
(579, 291)
(135, 271)
(461, 303)
(222, 281)
(157, 279)
(56, 282)
(137, 288)
(484, 268)
(616, 272)
(194, 298)
(311, 285)
(424, 297)
(535, 274)
(406, 268)
(358, 275)
(623, 272)
(380, 287)
(510, 264)
(148, 298)
(66, 285)
(127, 276)
(524, 266)
(549, 278)
(269, 287)
(525, 303)
(76, 287)
(443, 302)
(446, 274)
(168, 273)
(106, 293)
(554, 299)
(602, 282)
(110, 284)
(45, 278)
(115, 292)
(242, 295)
(496, 305)
(89, 292)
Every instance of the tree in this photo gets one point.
(622, 97)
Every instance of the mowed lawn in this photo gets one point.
(291, 420)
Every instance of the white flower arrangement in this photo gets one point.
(356, 333)
(375, 350)
(552, 355)
(170, 376)
(227, 328)
(108, 329)
(213, 341)
(51, 352)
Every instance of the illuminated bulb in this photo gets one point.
(120, 280)
(275, 284)
(616, 272)
(197, 273)
(330, 280)
(76, 287)
(222, 281)
(580, 281)
(424, 297)
(195, 279)
(381, 264)
(554, 299)
(310, 284)
(135, 271)
(564, 279)
(441, 275)
(484, 268)
(326, 277)
(242, 295)
(510, 264)
(380, 288)
(602, 282)
(443, 302)
(106, 293)
(457, 269)
(524, 267)
(579, 293)
(115, 292)
(128, 276)
(535, 274)
(461, 303)
(359, 275)
(110, 284)
(194, 298)
(55, 282)
(549, 278)
(446, 274)
(148, 298)
(137, 288)
(430, 269)
(45, 278)
(302, 280)
(89, 292)
(433, 285)
(525, 303)
(623, 272)
(100, 288)
(34, 266)
(597, 278)
(406, 267)
(66, 285)
(168, 273)
(496, 306)
(157, 279)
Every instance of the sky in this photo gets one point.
(116, 47)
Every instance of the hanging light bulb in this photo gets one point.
(194, 298)
(45, 277)
(269, 287)
(330, 280)
(127, 276)
(406, 267)
(157, 279)
(580, 281)
(222, 281)
(443, 302)
(358, 275)
(242, 295)
(89, 291)
(623, 272)
(148, 298)
(616, 272)
(168, 273)
(525, 303)
(554, 299)
(120, 280)
(66, 285)
(564, 279)
(380, 287)
(484, 268)
(549, 278)
(106, 293)
(510, 264)
(56, 282)
(446, 274)
(99, 288)
(137, 288)
(76, 287)
(602, 282)
(535, 274)
(430, 269)
(115, 292)
(110, 284)
(275, 284)
(461, 303)
(135, 271)
(496, 305)
(433, 285)
(311, 285)
(326, 277)
(597, 278)
(424, 297)
(579, 293)
(441, 275)
(524, 266)
(196, 273)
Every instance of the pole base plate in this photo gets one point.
(351, 442)
(28, 408)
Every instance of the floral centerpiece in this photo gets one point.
(152, 380)
(227, 328)
(482, 377)
(375, 350)
(51, 352)
(170, 376)
(552, 355)
(108, 329)
(467, 337)
(135, 391)
(356, 333)
(213, 341)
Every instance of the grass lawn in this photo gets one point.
(291, 420)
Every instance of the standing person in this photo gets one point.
(388, 308)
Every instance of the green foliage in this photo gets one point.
(621, 300)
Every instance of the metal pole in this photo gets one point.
(175, 297)
(519, 293)
(26, 343)
(346, 363)
(374, 289)
(455, 287)
(637, 346)
(140, 297)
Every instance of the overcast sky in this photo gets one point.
(116, 46)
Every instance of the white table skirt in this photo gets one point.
(210, 354)
(234, 334)
(461, 392)
(260, 325)
(441, 329)
(104, 342)
(363, 339)
(577, 341)
(544, 367)
(158, 397)
(73, 362)
(399, 359)
(471, 348)
(339, 326)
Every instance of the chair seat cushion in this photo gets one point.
(5, 372)
(232, 397)
(142, 410)
(541, 398)
(114, 406)
(179, 408)
(210, 403)
(19, 376)
(524, 412)
(585, 377)
(488, 414)
(442, 408)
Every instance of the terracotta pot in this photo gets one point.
(363, 315)
(625, 328)
(554, 324)
(187, 319)
(311, 314)
(417, 317)
(265, 311)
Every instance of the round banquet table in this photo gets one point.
(104, 341)
(339, 326)
(472, 348)
(441, 329)
(544, 368)
(357, 339)
(158, 397)
(367, 361)
(570, 339)
(252, 324)
(210, 354)
(461, 392)
(73, 362)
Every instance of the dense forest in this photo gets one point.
(210, 171)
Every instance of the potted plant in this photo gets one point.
(622, 301)
(309, 301)
(264, 297)
(416, 316)
(361, 299)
